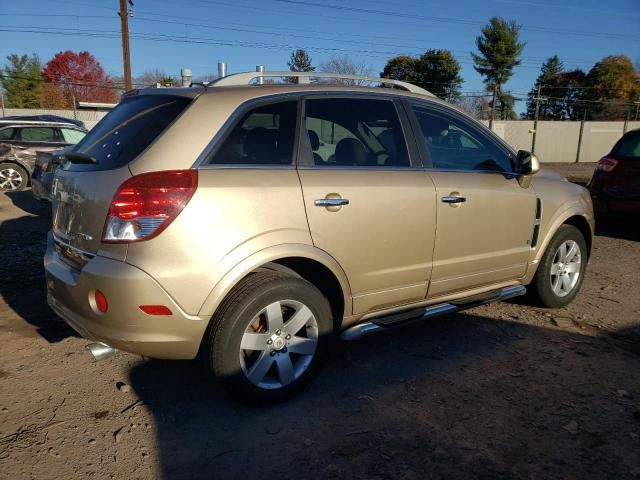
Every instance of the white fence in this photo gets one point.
(555, 141)
(561, 141)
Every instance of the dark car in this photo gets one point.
(615, 185)
(44, 118)
(21, 139)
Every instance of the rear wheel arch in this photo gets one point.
(318, 275)
(308, 263)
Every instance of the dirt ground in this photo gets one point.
(501, 391)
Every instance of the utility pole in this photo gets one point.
(126, 56)
(538, 99)
(637, 110)
(493, 107)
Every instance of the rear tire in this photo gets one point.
(561, 270)
(13, 178)
(269, 337)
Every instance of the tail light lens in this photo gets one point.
(146, 204)
(606, 164)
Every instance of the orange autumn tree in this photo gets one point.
(80, 76)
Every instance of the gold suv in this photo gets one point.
(249, 222)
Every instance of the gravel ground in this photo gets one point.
(501, 391)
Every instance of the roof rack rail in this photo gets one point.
(246, 78)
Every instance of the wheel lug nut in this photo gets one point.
(272, 354)
(269, 342)
(278, 332)
(288, 337)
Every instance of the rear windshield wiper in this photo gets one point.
(77, 157)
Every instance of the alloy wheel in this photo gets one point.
(279, 344)
(10, 179)
(566, 268)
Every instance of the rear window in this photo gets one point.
(128, 130)
(628, 146)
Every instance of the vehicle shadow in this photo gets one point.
(464, 396)
(624, 228)
(23, 287)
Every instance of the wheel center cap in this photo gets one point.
(278, 343)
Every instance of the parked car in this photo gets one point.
(615, 184)
(207, 220)
(47, 161)
(44, 118)
(21, 139)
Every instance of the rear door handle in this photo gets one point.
(453, 199)
(331, 202)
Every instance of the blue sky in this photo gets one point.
(169, 34)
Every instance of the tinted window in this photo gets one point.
(355, 132)
(457, 145)
(38, 134)
(72, 136)
(264, 136)
(7, 133)
(129, 129)
(628, 146)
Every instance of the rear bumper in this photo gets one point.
(124, 326)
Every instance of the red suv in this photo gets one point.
(615, 185)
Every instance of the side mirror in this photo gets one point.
(527, 164)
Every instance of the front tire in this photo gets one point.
(13, 178)
(269, 337)
(562, 268)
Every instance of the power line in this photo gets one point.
(453, 20)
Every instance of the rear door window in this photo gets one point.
(38, 134)
(128, 130)
(355, 132)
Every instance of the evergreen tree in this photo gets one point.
(499, 53)
(548, 79)
(21, 80)
(300, 61)
(435, 70)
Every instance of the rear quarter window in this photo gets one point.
(128, 130)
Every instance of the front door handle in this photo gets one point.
(331, 202)
(453, 199)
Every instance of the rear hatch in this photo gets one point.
(85, 183)
(623, 182)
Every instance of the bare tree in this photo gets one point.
(151, 77)
(476, 106)
(346, 66)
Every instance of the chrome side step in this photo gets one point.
(414, 315)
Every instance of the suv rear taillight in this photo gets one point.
(606, 164)
(146, 204)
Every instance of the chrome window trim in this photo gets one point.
(354, 167)
(255, 166)
(243, 107)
